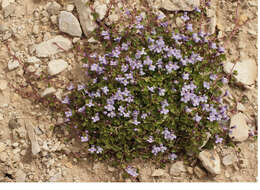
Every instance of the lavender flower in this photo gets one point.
(99, 150)
(189, 27)
(131, 171)
(82, 109)
(84, 138)
(218, 139)
(66, 100)
(92, 149)
(197, 118)
(206, 85)
(172, 156)
(68, 113)
(150, 140)
(95, 118)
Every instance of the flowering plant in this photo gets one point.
(153, 91)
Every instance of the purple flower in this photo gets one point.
(66, 100)
(213, 77)
(135, 122)
(105, 89)
(82, 109)
(70, 87)
(206, 85)
(92, 149)
(197, 118)
(68, 113)
(81, 87)
(172, 156)
(185, 76)
(218, 139)
(213, 46)
(168, 135)
(131, 171)
(185, 17)
(164, 111)
(189, 27)
(99, 150)
(84, 138)
(150, 140)
(224, 80)
(90, 104)
(105, 34)
(161, 92)
(95, 118)
(151, 89)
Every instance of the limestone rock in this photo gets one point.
(53, 46)
(10, 9)
(56, 66)
(34, 143)
(5, 3)
(241, 130)
(246, 71)
(3, 84)
(13, 65)
(199, 172)
(158, 173)
(85, 16)
(211, 161)
(177, 5)
(53, 8)
(48, 91)
(69, 24)
(100, 7)
(228, 159)
(20, 176)
(33, 59)
(177, 168)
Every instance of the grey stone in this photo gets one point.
(86, 19)
(13, 64)
(53, 46)
(48, 91)
(56, 66)
(241, 131)
(20, 176)
(34, 143)
(246, 71)
(177, 5)
(69, 24)
(177, 168)
(158, 173)
(53, 8)
(228, 159)
(211, 161)
(10, 9)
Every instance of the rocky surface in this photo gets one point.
(176, 5)
(31, 151)
(239, 129)
(69, 24)
(56, 66)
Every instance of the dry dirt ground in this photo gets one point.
(31, 24)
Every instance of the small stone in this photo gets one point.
(179, 22)
(9, 9)
(227, 174)
(246, 71)
(3, 28)
(13, 64)
(15, 144)
(70, 7)
(190, 170)
(241, 131)
(48, 91)
(36, 29)
(100, 8)
(53, 8)
(54, 19)
(69, 24)
(34, 143)
(33, 60)
(199, 172)
(20, 176)
(228, 159)
(75, 40)
(3, 84)
(111, 169)
(5, 3)
(240, 107)
(1, 117)
(177, 5)
(53, 46)
(85, 16)
(158, 173)
(2, 147)
(3, 156)
(177, 168)
(13, 123)
(211, 161)
(56, 66)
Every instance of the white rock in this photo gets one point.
(5, 3)
(13, 64)
(3, 84)
(177, 168)
(48, 91)
(211, 161)
(54, 19)
(36, 29)
(158, 173)
(70, 7)
(177, 5)
(241, 131)
(10, 9)
(69, 24)
(33, 59)
(85, 16)
(57, 66)
(53, 8)
(34, 143)
(53, 46)
(20, 176)
(2, 147)
(228, 159)
(100, 8)
(246, 71)
(240, 107)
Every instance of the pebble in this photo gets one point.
(158, 173)
(5, 3)
(13, 64)
(190, 170)
(53, 8)
(33, 59)
(54, 19)
(53, 46)
(240, 107)
(13, 123)
(3, 28)
(70, 7)
(85, 16)
(241, 131)
(48, 91)
(2, 147)
(228, 159)
(3, 84)
(100, 8)
(69, 24)
(246, 71)
(211, 161)
(56, 66)
(34, 143)
(177, 168)
(199, 172)
(36, 29)
(20, 176)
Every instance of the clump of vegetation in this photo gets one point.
(154, 91)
